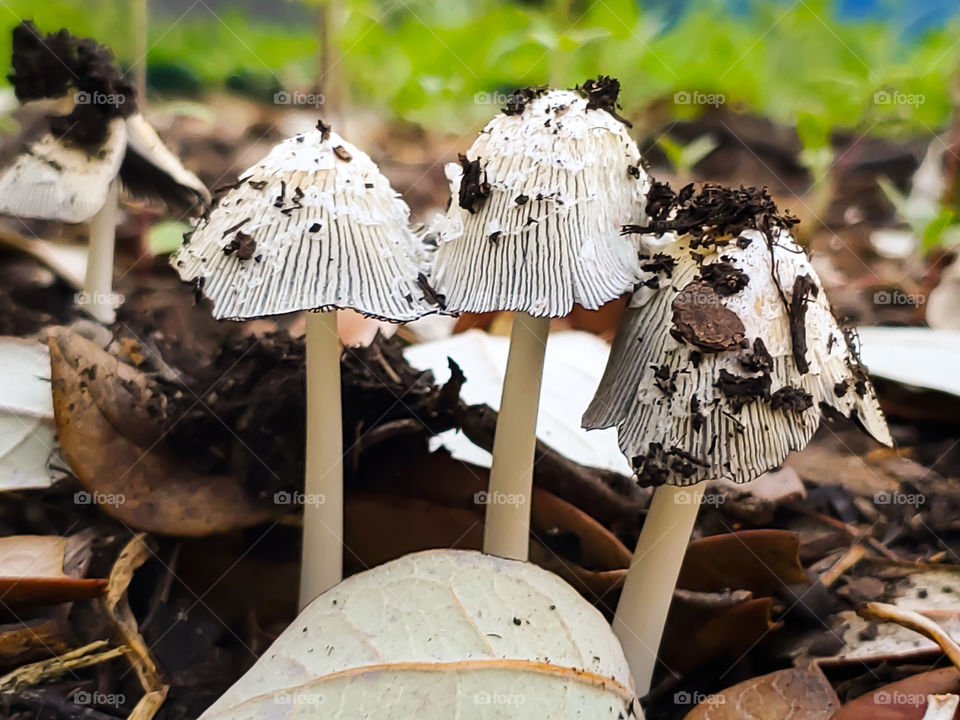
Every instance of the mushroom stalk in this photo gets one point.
(98, 283)
(140, 14)
(648, 588)
(507, 526)
(321, 566)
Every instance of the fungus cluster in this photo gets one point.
(313, 226)
(534, 227)
(86, 139)
(726, 360)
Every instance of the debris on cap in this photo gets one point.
(538, 201)
(72, 157)
(328, 231)
(60, 181)
(730, 354)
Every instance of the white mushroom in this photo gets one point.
(313, 226)
(534, 227)
(73, 162)
(437, 635)
(726, 361)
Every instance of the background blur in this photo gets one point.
(424, 60)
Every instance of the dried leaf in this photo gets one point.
(31, 573)
(902, 700)
(801, 693)
(105, 430)
(763, 561)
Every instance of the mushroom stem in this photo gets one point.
(321, 565)
(648, 588)
(507, 528)
(98, 283)
(141, 46)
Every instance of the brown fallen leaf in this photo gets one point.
(464, 485)
(694, 635)
(763, 561)
(902, 700)
(800, 693)
(31, 573)
(103, 426)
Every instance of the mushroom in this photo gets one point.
(534, 228)
(73, 162)
(436, 635)
(312, 226)
(726, 360)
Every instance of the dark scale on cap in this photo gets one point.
(664, 379)
(724, 277)
(710, 214)
(700, 319)
(603, 93)
(659, 263)
(791, 399)
(243, 245)
(324, 129)
(803, 289)
(741, 390)
(48, 66)
(341, 152)
(759, 360)
(473, 185)
(518, 100)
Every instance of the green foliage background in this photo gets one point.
(426, 61)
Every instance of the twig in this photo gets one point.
(913, 621)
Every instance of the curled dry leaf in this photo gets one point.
(111, 445)
(800, 693)
(763, 561)
(440, 634)
(903, 700)
(31, 573)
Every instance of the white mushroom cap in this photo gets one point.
(562, 180)
(54, 180)
(59, 180)
(329, 232)
(687, 413)
(144, 143)
(436, 635)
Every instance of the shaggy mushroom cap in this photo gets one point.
(538, 201)
(72, 157)
(730, 354)
(313, 226)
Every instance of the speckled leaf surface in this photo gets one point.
(440, 634)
